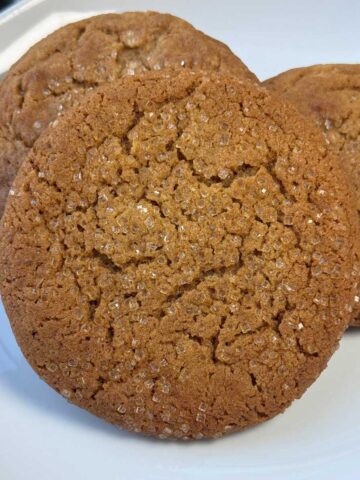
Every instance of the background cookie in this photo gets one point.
(57, 71)
(176, 254)
(330, 95)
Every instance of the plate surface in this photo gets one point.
(43, 437)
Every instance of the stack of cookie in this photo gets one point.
(179, 247)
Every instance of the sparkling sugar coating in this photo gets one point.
(330, 95)
(160, 293)
(56, 73)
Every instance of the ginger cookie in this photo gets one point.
(330, 95)
(58, 70)
(176, 254)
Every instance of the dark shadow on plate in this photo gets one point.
(29, 388)
(353, 331)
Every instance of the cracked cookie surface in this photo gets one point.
(330, 95)
(60, 69)
(177, 254)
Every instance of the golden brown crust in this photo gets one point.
(56, 72)
(176, 254)
(330, 95)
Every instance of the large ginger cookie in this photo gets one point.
(176, 254)
(57, 71)
(330, 95)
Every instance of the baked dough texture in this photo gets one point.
(330, 96)
(177, 254)
(55, 73)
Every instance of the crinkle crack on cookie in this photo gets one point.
(177, 255)
(56, 73)
(330, 95)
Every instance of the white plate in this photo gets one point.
(43, 437)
